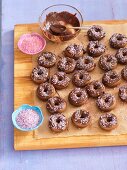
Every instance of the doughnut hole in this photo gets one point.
(119, 38)
(96, 86)
(40, 72)
(83, 115)
(113, 76)
(45, 89)
(86, 61)
(96, 46)
(109, 59)
(109, 119)
(68, 62)
(79, 94)
(58, 120)
(49, 58)
(56, 103)
(60, 78)
(81, 76)
(97, 30)
(107, 99)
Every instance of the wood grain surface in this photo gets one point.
(23, 88)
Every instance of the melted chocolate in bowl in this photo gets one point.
(53, 23)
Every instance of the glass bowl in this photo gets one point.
(71, 11)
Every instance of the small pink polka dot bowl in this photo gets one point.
(31, 43)
(27, 118)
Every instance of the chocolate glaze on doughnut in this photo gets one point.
(95, 88)
(111, 79)
(58, 123)
(81, 118)
(121, 55)
(95, 33)
(95, 48)
(81, 78)
(47, 59)
(56, 105)
(107, 62)
(85, 63)
(77, 97)
(118, 41)
(124, 73)
(66, 64)
(108, 121)
(74, 51)
(60, 80)
(106, 102)
(123, 93)
(40, 74)
(45, 91)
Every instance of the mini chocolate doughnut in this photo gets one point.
(106, 102)
(95, 48)
(85, 63)
(81, 118)
(118, 41)
(47, 59)
(123, 93)
(124, 73)
(40, 74)
(81, 78)
(95, 33)
(45, 91)
(77, 97)
(108, 121)
(58, 123)
(60, 80)
(66, 64)
(56, 105)
(111, 79)
(107, 62)
(74, 51)
(121, 55)
(95, 88)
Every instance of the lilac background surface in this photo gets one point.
(103, 158)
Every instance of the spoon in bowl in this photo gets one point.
(57, 28)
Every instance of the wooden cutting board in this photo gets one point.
(23, 93)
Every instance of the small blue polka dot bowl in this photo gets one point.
(25, 107)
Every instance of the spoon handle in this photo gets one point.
(82, 28)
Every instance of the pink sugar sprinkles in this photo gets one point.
(27, 119)
(31, 43)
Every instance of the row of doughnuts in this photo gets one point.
(106, 62)
(40, 74)
(79, 96)
(117, 40)
(81, 119)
